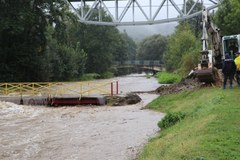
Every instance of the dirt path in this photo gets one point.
(87, 133)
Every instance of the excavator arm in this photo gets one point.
(211, 54)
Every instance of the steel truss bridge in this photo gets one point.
(137, 12)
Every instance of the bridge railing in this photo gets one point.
(59, 88)
(139, 63)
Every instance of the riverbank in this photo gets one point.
(209, 131)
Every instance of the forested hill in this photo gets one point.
(138, 33)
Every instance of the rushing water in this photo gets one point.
(81, 132)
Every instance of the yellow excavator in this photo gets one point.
(212, 57)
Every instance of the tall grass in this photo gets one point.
(168, 78)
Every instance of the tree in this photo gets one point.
(100, 44)
(43, 41)
(152, 48)
(126, 48)
(195, 22)
(182, 50)
(103, 44)
(227, 17)
(23, 25)
(65, 62)
(131, 46)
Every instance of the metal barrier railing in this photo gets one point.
(60, 88)
(140, 63)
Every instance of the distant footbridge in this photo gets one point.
(153, 65)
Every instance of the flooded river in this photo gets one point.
(81, 132)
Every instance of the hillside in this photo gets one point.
(138, 33)
(209, 131)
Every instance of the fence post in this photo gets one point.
(6, 88)
(117, 87)
(81, 89)
(88, 88)
(21, 100)
(111, 88)
(21, 87)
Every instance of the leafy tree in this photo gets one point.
(43, 41)
(23, 26)
(131, 46)
(195, 22)
(126, 48)
(121, 54)
(227, 17)
(103, 44)
(64, 62)
(190, 59)
(182, 50)
(152, 48)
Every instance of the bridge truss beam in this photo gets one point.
(127, 12)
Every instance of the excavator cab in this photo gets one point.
(211, 62)
(231, 45)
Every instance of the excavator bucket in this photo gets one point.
(205, 72)
(206, 75)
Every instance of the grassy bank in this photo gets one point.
(210, 130)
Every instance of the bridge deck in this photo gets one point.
(146, 64)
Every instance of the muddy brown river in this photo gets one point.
(81, 132)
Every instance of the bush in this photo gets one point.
(148, 76)
(89, 76)
(168, 78)
(170, 119)
(107, 75)
(189, 61)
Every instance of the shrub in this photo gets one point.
(168, 78)
(89, 76)
(107, 75)
(189, 61)
(148, 76)
(170, 119)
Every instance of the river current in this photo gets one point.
(80, 132)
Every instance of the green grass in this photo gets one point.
(210, 130)
(167, 78)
